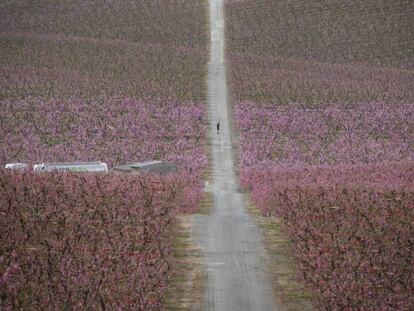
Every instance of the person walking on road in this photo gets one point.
(218, 127)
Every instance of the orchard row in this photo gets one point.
(324, 102)
(112, 81)
(86, 241)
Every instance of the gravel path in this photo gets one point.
(229, 239)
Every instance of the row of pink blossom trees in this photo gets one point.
(86, 241)
(112, 81)
(324, 104)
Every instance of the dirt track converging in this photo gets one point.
(229, 239)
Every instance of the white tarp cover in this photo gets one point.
(72, 167)
(17, 166)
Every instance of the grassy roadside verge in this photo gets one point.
(289, 294)
(187, 283)
(188, 279)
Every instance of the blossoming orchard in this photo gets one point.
(324, 106)
(321, 106)
(118, 82)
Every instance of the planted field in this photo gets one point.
(293, 134)
(86, 242)
(342, 180)
(111, 81)
(115, 130)
(352, 234)
(115, 81)
(94, 48)
(374, 31)
(266, 78)
(119, 81)
(62, 66)
(320, 51)
(323, 100)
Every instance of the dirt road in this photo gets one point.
(229, 239)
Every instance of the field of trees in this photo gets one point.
(102, 58)
(86, 242)
(323, 98)
(97, 80)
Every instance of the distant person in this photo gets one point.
(218, 127)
